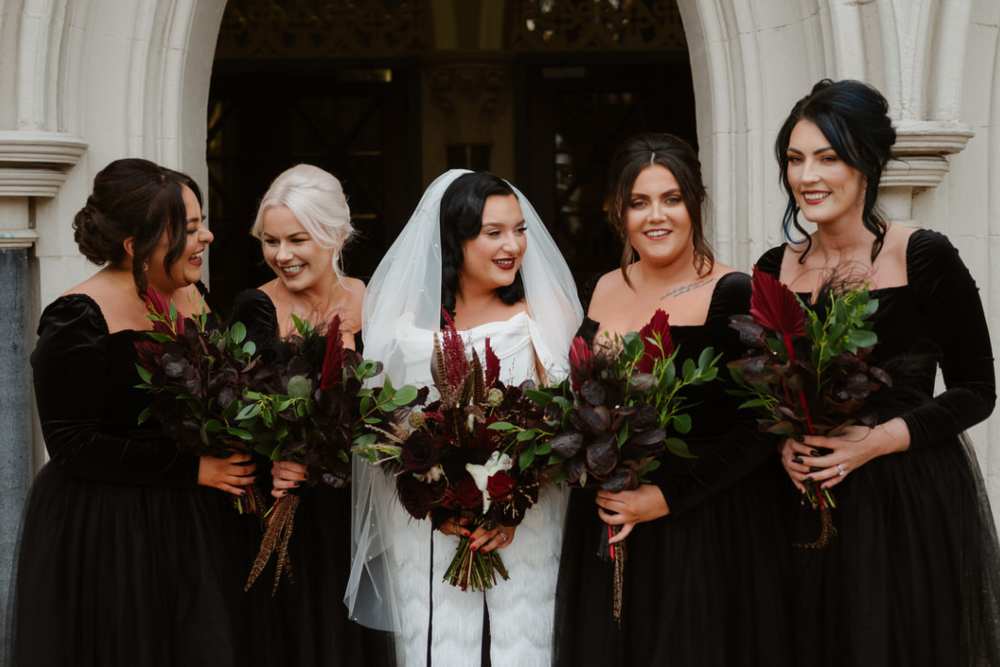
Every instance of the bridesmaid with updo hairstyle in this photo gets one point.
(706, 548)
(303, 224)
(131, 554)
(913, 574)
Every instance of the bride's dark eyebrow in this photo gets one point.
(502, 224)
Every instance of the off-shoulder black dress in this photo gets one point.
(311, 619)
(913, 577)
(704, 586)
(123, 559)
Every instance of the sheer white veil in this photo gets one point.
(406, 286)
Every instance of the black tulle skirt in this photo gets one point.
(113, 575)
(913, 577)
(311, 616)
(707, 588)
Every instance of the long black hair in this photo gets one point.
(461, 219)
(854, 118)
(676, 156)
(138, 199)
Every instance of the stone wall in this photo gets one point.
(83, 82)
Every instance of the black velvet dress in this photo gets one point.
(706, 585)
(124, 560)
(913, 577)
(311, 618)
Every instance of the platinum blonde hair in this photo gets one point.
(316, 199)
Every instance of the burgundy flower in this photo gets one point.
(333, 359)
(453, 348)
(657, 329)
(500, 485)
(775, 307)
(420, 453)
(581, 362)
(417, 497)
(467, 494)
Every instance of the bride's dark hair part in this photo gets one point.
(854, 118)
(676, 156)
(461, 220)
(139, 199)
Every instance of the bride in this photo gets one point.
(475, 247)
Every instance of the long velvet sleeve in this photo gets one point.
(957, 324)
(257, 313)
(70, 365)
(727, 452)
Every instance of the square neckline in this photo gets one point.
(874, 290)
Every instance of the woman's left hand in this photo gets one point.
(627, 508)
(849, 450)
(487, 540)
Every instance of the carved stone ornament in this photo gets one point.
(323, 28)
(920, 150)
(34, 163)
(468, 86)
(571, 25)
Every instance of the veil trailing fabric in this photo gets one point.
(406, 290)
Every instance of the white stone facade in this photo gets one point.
(83, 82)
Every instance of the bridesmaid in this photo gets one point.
(706, 549)
(913, 577)
(303, 225)
(131, 553)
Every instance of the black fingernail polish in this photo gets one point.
(815, 452)
(797, 459)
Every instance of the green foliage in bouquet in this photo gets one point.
(807, 373)
(199, 377)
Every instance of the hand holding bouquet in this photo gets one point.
(807, 372)
(453, 459)
(628, 407)
(198, 376)
(308, 411)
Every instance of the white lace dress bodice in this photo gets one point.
(520, 609)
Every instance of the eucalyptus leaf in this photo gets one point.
(237, 332)
(405, 395)
(146, 376)
(299, 386)
(682, 423)
(501, 426)
(679, 448)
(526, 458)
(248, 412)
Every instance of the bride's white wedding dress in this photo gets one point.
(520, 609)
(393, 583)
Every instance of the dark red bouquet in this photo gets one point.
(807, 373)
(627, 409)
(199, 375)
(309, 411)
(458, 458)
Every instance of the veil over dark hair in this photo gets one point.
(461, 219)
(854, 118)
(675, 155)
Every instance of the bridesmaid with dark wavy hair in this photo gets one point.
(131, 554)
(706, 548)
(913, 576)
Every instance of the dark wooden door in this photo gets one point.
(573, 113)
(362, 124)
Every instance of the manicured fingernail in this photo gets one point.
(814, 452)
(797, 459)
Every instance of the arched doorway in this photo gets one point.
(386, 94)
